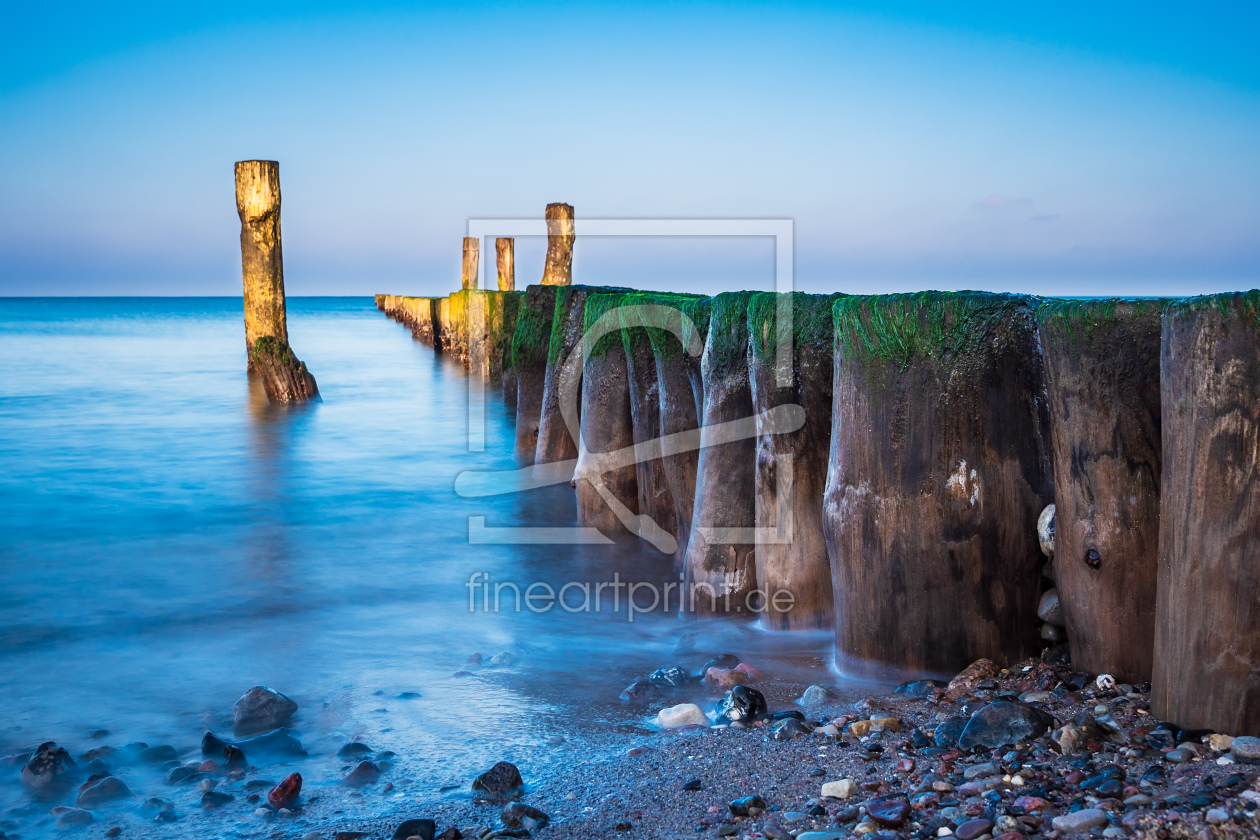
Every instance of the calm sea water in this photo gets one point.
(168, 539)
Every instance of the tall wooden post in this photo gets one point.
(1207, 621)
(262, 265)
(505, 257)
(285, 378)
(472, 249)
(560, 234)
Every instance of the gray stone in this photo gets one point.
(1050, 610)
(261, 709)
(107, 789)
(814, 696)
(1246, 747)
(1178, 756)
(1216, 816)
(1003, 722)
(979, 771)
(1080, 821)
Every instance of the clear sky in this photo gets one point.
(1057, 148)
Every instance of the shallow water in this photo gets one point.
(168, 539)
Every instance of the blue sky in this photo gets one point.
(1065, 150)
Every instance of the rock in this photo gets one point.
(451, 833)
(742, 705)
(920, 688)
(1178, 756)
(1003, 722)
(946, 734)
(862, 727)
(1246, 747)
(1049, 609)
(234, 758)
(693, 784)
(972, 829)
(1220, 743)
(686, 644)
(502, 781)
(49, 768)
(1080, 821)
(674, 677)
(501, 660)
(410, 695)
(424, 829)
(210, 767)
(980, 771)
(1216, 816)
(353, 750)
(363, 774)
(748, 806)
(72, 817)
(278, 743)
(517, 815)
(790, 728)
(1052, 634)
(157, 755)
(684, 714)
(1031, 804)
(215, 799)
(261, 709)
(754, 676)
(890, 813)
(974, 674)
(813, 697)
(726, 661)
(842, 789)
(107, 789)
(640, 689)
(1045, 531)
(285, 794)
(180, 775)
(725, 679)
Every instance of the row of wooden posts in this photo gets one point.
(936, 427)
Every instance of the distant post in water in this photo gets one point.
(285, 378)
(560, 235)
(472, 248)
(505, 257)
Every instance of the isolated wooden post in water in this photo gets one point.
(505, 257)
(472, 248)
(560, 233)
(262, 270)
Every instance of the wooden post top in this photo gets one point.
(257, 189)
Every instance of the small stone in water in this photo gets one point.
(502, 781)
(285, 794)
(364, 774)
(416, 828)
(260, 709)
(813, 697)
(354, 749)
(517, 815)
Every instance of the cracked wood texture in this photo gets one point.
(1207, 624)
(558, 270)
(505, 261)
(1102, 376)
(472, 250)
(262, 264)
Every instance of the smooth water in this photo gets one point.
(168, 539)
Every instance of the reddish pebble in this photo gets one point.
(364, 774)
(1010, 835)
(906, 765)
(1074, 778)
(638, 751)
(114, 832)
(210, 766)
(753, 674)
(1031, 803)
(285, 794)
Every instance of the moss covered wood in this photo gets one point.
(1207, 625)
(530, 343)
(720, 564)
(1102, 376)
(791, 472)
(512, 302)
(939, 469)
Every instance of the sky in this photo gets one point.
(1057, 149)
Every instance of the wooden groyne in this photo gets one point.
(933, 430)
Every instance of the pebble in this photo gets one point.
(285, 794)
(363, 774)
(1001, 723)
(1178, 756)
(415, 828)
(842, 789)
(890, 813)
(1080, 820)
(684, 714)
(107, 789)
(49, 766)
(1216, 816)
(1049, 609)
(1246, 747)
(502, 781)
(972, 829)
(813, 697)
(354, 749)
(979, 771)
(748, 806)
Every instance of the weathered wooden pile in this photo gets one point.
(933, 430)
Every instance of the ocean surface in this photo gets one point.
(168, 539)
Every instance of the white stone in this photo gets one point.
(1045, 531)
(684, 714)
(842, 789)
(1216, 816)
(944, 831)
